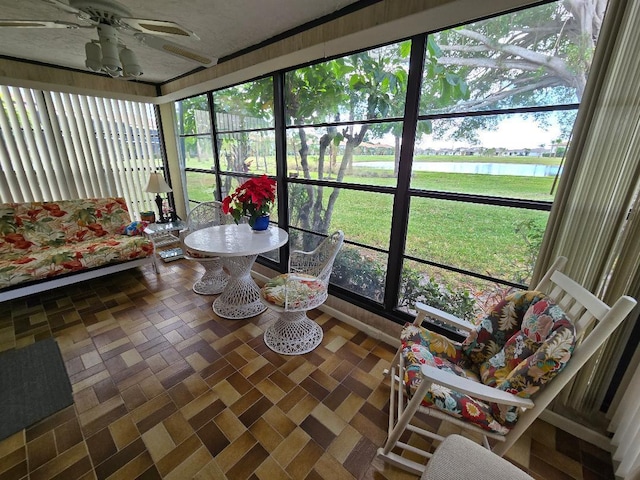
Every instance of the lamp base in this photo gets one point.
(160, 218)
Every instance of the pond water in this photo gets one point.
(517, 169)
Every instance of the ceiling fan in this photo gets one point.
(108, 53)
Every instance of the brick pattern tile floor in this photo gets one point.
(164, 389)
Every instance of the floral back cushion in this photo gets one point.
(534, 354)
(499, 326)
(53, 224)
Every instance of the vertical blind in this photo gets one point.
(57, 146)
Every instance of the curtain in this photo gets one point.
(595, 221)
(56, 146)
(625, 423)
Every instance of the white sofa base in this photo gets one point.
(55, 282)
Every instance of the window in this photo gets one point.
(456, 216)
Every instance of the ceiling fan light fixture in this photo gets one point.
(109, 44)
(93, 59)
(130, 65)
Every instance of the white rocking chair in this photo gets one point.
(292, 294)
(586, 323)
(214, 278)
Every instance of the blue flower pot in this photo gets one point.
(260, 223)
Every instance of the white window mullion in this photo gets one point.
(109, 141)
(30, 152)
(127, 149)
(119, 143)
(150, 163)
(9, 123)
(7, 149)
(27, 146)
(141, 113)
(138, 159)
(91, 134)
(9, 187)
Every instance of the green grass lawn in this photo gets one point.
(480, 238)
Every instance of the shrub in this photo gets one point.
(360, 274)
(366, 276)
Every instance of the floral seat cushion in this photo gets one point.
(519, 347)
(294, 290)
(48, 262)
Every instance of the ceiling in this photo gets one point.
(224, 27)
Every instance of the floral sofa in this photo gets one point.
(48, 244)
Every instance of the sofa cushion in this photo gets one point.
(432, 350)
(534, 354)
(52, 261)
(31, 225)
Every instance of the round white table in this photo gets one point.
(239, 247)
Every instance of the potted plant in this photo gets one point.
(254, 198)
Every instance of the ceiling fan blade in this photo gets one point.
(175, 49)
(159, 27)
(36, 24)
(62, 6)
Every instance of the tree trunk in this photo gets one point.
(347, 159)
(305, 208)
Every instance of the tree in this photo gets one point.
(188, 122)
(536, 56)
(243, 107)
(363, 86)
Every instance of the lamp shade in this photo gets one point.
(157, 184)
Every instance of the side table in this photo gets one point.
(163, 235)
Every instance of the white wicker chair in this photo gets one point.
(292, 294)
(214, 279)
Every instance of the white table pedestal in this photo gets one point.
(241, 297)
(238, 247)
(293, 333)
(213, 280)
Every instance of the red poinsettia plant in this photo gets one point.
(254, 198)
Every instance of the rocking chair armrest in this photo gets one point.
(472, 388)
(425, 310)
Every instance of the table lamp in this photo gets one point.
(157, 185)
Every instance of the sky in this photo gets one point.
(514, 133)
